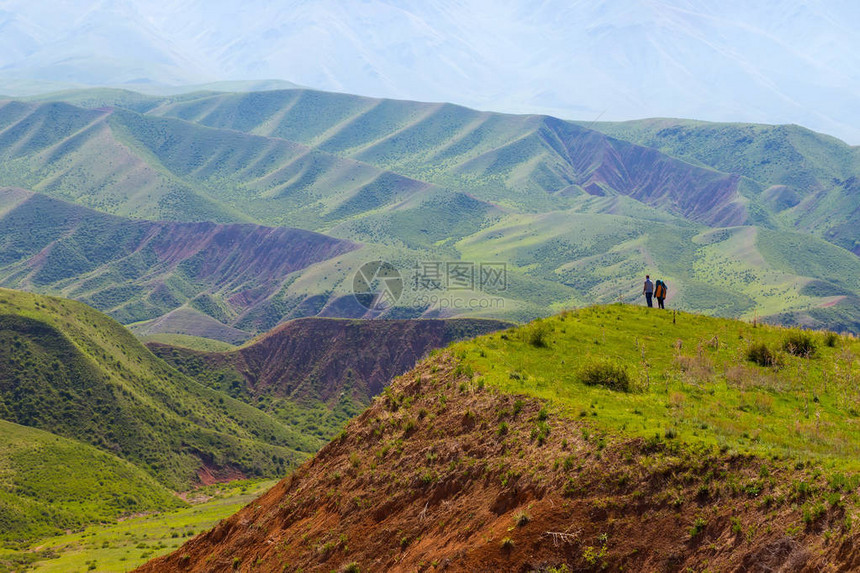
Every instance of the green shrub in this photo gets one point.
(698, 527)
(518, 406)
(540, 432)
(762, 355)
(799, 344)
(537, 334)
(521, 519)
(830, 339)
(607, 374)
(352, 568)
(737, 528)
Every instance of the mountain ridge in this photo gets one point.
(775, 61)
(286, 369)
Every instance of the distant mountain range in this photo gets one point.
(740, 219)
(774, 61)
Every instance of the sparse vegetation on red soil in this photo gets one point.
(426, 480)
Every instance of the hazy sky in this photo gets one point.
(786, 61)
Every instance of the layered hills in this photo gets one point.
(140, 270)
(606, 438)
(810, 181)
(316, 373)
(510, 160)
(575, 213)
(73, 371)
(95, 426)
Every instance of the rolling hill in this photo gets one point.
(72, 371)
(317, 387)
(167, 169)
(606, 438)
(808, 180)
(52, 484)
(526, 162)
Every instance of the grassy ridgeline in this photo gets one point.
(692, 380)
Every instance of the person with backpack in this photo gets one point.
(648, 290)
(660, 290)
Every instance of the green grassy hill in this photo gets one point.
(73, 371)
(646, 372)
(520, 162)
(608, 438)
(188, 342)
(50, 484)
(162, 168)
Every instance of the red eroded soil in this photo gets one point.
(359, 356)
(209, 475)
(645, 174)
(441, 474)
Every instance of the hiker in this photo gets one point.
(660, 290)
(648, 290)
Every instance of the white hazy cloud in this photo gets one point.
(770, 61)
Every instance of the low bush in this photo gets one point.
(537, 334)
(799, 344)
(607, 374)
(698, 527)
(521, 519)
(762, 355)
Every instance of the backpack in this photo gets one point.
(660, 290)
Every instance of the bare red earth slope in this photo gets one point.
(319, 358)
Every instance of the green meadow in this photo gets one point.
(738, 386)
(123, 545)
